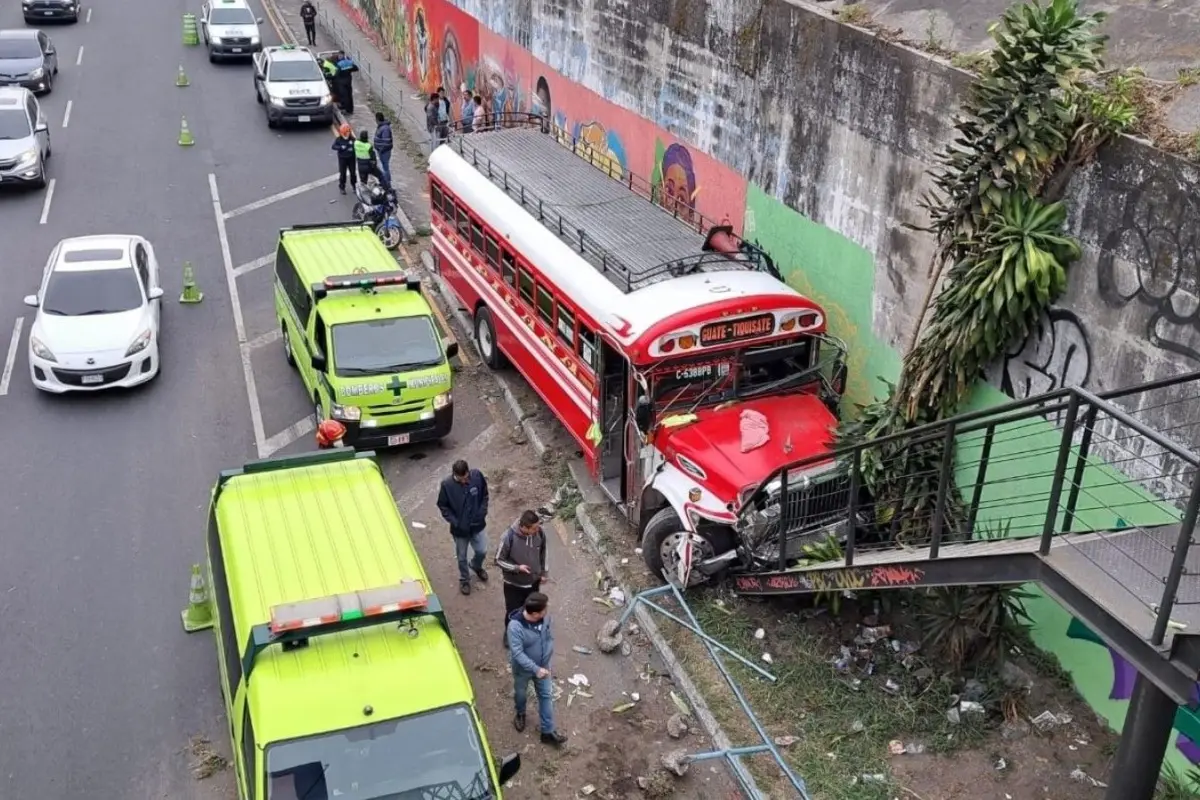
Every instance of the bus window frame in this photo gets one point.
(463, 223)
(561, 309)
(477, 236)
(540, 293)
(491, 253)
(508, 268)
(436, 196)
(525, 274)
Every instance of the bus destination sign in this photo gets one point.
(737, 329)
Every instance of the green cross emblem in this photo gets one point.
(396, 385)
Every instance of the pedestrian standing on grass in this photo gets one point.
(383, 146)
(530, 648)
(343, 145)
(308, 13)
(463, 501)
(521, 558)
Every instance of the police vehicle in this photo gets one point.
(339, 673)
(230, 29)
(289, 83)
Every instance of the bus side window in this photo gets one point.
(525, 287)
(477, 237)
(435, 197)
(464, 223)
(545, 306)
(509, 271)
(587, 346)
(566, 326)
(492, 253)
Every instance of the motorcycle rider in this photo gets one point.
(344, 146)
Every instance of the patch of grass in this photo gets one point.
(977, 63)
(855, 14)
(1188, 76)
(842, 729)
(1045, 665)
(1176, 785)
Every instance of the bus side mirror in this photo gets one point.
(641, 414)
(509, 767)
(451, 349)
(319, 363)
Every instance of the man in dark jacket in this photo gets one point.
(432, 109)
(383, 145)
(463, 501)
(308, 14)
(521, 558)
(530, 648)
(343, 82)
(343, 145)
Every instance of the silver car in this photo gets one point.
(24, 138)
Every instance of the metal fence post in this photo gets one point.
(1183, 543)
(943, 489)
(852, 506)
(980, 476)
(1085, 447)
(1060, 469)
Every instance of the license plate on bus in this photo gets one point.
(305, 118)
(398, 439)
(236, 50)
(89, 380)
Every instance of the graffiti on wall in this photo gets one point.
(833, 580)
(1187, 725)
(1160, 235)
(1056, 353)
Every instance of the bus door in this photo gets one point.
(614, 411)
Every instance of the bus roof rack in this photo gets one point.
(293, 624)
(735, 254)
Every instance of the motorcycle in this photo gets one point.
(377, 207)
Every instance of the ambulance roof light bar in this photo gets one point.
(365, 281)
(294, 623)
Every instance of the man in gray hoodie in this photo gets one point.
(530, 648)
(521, 558)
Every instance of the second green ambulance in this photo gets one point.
(362, 336)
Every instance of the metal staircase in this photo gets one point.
(1096, 497)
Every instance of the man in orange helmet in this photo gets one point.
(343, 145)
(330, 434)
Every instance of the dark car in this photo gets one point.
(27, 58)
(56, 10)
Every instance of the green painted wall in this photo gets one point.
(836, 272)
(840, 275)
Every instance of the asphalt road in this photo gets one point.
(105, 496)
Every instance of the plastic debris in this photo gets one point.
(1001, 764)
(635, 697)
(1080, 776)
(760, 634)
(622, 708)
(587, 790)
(1048, 719)
(420, 526)
(616, 596)
(583, 651)
(766, 657)
(579, 679)
(681, 704)
(754, 429)
(786, 741)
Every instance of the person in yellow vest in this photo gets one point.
(364, 154)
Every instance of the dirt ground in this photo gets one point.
(608, 750)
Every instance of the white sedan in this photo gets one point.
(98, 315)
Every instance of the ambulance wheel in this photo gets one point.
(660, 542)
(287, 348)
(485, 337)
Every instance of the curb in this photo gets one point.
(451, 303)
(650, 627)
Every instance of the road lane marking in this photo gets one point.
(46, 203)
(11, 358)
(257, 263)
(67, 115)
(270, 337)
(79, 58)
(427, 488)
(275, 198)
(256, 420)
(88, 18)
(286, 437)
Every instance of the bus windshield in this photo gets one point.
(682, 384)
(437, 754)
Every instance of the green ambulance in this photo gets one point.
(337, 667)
(362, 336)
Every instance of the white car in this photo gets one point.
(98, 315)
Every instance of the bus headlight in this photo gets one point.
(442, 400)
(348, 413)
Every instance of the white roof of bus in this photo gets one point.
(575, 276)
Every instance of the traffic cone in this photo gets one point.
(198, 614)
(185, 134)
(191, 293)
(181, 79)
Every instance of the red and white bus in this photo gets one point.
(672, 351)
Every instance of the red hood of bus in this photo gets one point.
(799, 426)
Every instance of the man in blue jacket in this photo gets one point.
(530, 648)
(383, 146)
(463, 501)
